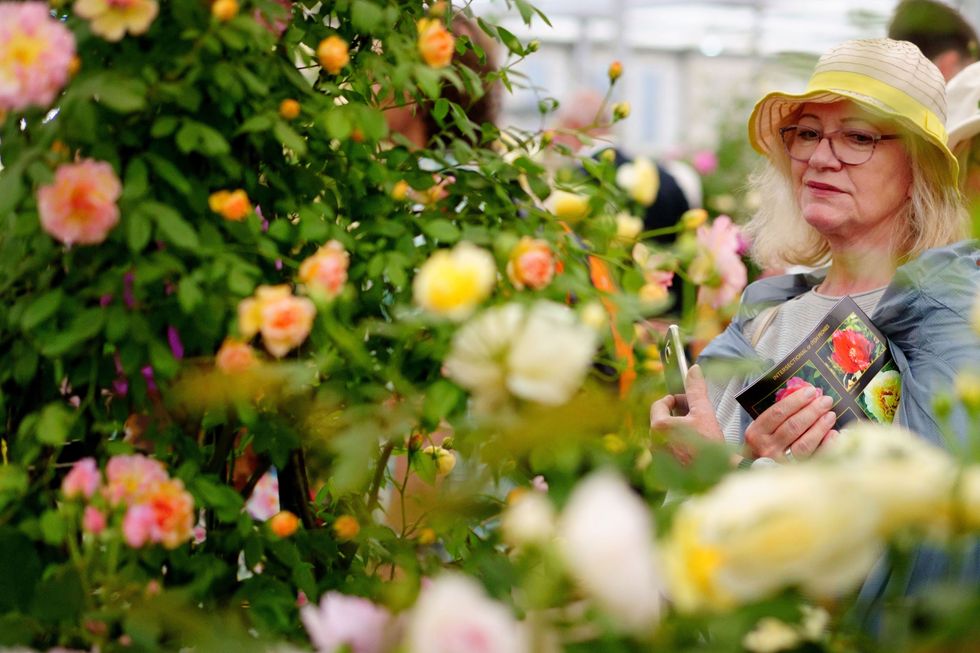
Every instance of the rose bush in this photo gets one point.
(276, 369)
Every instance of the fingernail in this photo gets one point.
(810, 392)
(826, 402)
(829, 417)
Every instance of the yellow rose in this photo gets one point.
(224, 10)
(694, 218)
(453, 282)
(640, 179)
(628, 227)
(568, 206)
(444, 459)
(289, 109)
(332, 53)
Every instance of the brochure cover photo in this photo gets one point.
(845, 357)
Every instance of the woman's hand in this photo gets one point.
(700, 416)
(798, 423)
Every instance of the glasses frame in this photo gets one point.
(828, 135)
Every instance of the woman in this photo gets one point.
(858, 177)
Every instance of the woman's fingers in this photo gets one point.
(810, 441)
(786, 421)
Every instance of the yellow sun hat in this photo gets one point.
(890, 78)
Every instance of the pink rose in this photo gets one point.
(350, 621)
(705, 162)
(132, 478)
(93, 521)
(82, 481)
(36, 53)
(326, 271)
(719, 246)
(137, 525)
(80, 205)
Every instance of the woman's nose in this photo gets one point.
(824, 156)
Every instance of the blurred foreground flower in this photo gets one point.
(754, 534)
(640, 179)
(436, 44)
(454, 615)
(453, 282)
(541, 354)
(36, 51)
(718, 266)
(235, 357)
(348, 623)
(606, 535)
(231, 205)
(531, 264)
(111, 19)
(528, 520)
(79, 206)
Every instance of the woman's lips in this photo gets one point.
(820, 188)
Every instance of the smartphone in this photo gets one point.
(674, 360)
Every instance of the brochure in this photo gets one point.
(845, 357)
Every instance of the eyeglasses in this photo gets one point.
(852, 147)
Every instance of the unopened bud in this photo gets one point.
(621, 110)
(224, 10)
(615, 71)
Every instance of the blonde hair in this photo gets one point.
(780, 237)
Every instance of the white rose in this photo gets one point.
(454, 612)
(771, 635)
(479, 347)
(606, 536)
(754, 534)
(530, 519)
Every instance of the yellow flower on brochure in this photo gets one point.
(452, 283)
(333, 54)
(436, 44)
(111, 19)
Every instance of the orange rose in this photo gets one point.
(436, 43)
(289, 109)
(231, 205)
(332, 53)
(346, 527)
(224, 10)
(283, 523)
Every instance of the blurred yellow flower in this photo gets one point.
(694, 218)
(111, 19)
(444, 459)
(640, 179)
(224, 10)
(628, 227)
(453, 282)
(346, 527)
(967, 386)
(289, 109)
(567, 206)
(232, 205)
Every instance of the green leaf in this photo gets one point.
(53, 527)
(170, 173)
(441, 108)
(289, 138)
(257, 123)
(428, 81)
(512, 42)
(84, 326)
(189, 295)
(136, 180)
(12, 186)
(13, 486)
(25, 362)
(55, 424)
(172, 226)
(226, 503)
(20, 570)
(312, 225)
(119, 93)
(164, 126)
(59, 596)
(139, 229)
(162, 360)
(41, 309)
(197, 137)
(337, 123)
(441, 398)
(441, 230)
(365, 16)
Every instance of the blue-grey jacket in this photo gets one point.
(925, 315)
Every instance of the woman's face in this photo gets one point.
(852, 205)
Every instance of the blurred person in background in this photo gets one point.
(942, 33)
(859, 179)
(963, 125)
(584, 124)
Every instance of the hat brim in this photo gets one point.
(774, 110)
(964, 131)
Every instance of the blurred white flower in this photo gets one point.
(350, 621)
(754, 534)
(454, 615)
(541, 354)
(771, 635)
(909, 480)
(570, 207)
(529, 519)
(640, 179)
(606, 536)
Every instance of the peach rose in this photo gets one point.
(531, 264)
(436, 43)
(326, 271)
(234, 357)
(111, 19)
(286, 323)
(332, 53)
(80, 205)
